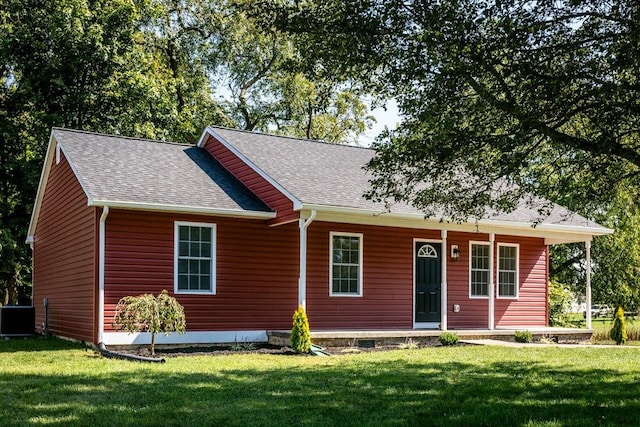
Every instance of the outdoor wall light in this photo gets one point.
(455, 252)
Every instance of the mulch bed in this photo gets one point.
(257, 348)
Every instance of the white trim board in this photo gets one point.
(203, 337)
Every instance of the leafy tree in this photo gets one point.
(265, 86)
(146, 313)
(615, 258)
(146, 68)
(516, 97)
(54, 73)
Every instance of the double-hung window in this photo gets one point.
(479, 269)
(507, 270)
(345, 264)
(194, 269)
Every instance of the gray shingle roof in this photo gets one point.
(318, 173)
(129, 170)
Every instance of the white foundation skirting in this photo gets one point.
(204, 337)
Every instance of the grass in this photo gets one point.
(46, 381)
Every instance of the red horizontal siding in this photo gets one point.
(474, 312)
(256, 270)
(265, 191)
(529, 309)
(257, 274)
(64, 266)
(387, 300)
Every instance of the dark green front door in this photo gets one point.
(427, 276)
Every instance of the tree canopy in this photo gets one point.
(161, 69)
(532, 97)
(501, 100)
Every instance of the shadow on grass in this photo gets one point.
(37, 343)
(393, 389)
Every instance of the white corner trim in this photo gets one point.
(297, 204)
(200, 337)
(101, 267)
(53, 153)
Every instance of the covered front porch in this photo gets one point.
(374, 338)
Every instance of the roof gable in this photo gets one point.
(152, 175)
(332, 177)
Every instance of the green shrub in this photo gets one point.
(300, 333)
(560, 305)
(448, 338)
(146, 313)
(619, 331)
(523, 336)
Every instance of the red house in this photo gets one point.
(244, 227)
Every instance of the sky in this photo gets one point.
(389, 118)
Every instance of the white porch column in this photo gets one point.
(587, 245)
(302, 280)
(492, 238)
(101, 264)
(443, 285)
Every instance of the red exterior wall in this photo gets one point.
(387, 301)
(64, 257)
(253, 181)
(388, 287)
(257, 275)
(530, 308)
(256, 269)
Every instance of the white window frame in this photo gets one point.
(360, 268)
(176, 244)
(471, 244)
(517, 272)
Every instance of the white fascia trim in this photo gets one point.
(182, 209)
(52, 150)
(297, 204)
(44, 176)
(554, 233)
(203, 337)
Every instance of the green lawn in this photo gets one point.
(53, 382)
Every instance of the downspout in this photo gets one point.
(492, 302)
(302, 280)
(443, 285)
(101, 263)
(587, 245)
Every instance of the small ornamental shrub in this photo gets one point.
(409, 344)
(619, 331)
(300, 333)
(146, 313)
(448, 338)
(523, 336)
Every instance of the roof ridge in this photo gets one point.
(107, 135)
(296, 138)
